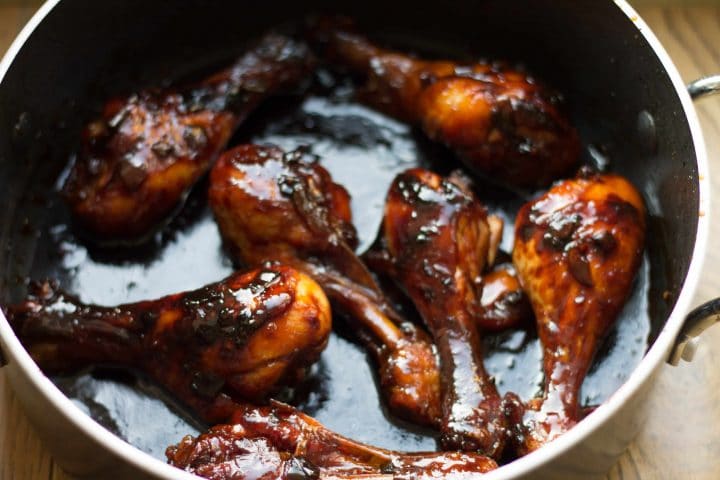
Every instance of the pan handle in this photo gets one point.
(696, 322)
(703, 87)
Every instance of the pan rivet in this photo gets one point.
(647, 131)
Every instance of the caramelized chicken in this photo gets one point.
(139, 160)
(577, 249)
(280, 442)
(246, 335)
(501, 122)
(275, 206)
(437, 238)
(503, 303)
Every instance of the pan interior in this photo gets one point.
(79, 56)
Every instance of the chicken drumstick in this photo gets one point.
(139, 160)
(577, 249)
(276, 206)
(501, 122)
(280, 442)
(437, 238)
(245, 335)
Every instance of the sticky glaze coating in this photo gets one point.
(577, 250)
(501, 122)
(277, 206)
(280, 442)
(503, 303)
(437, 237)
(246, 335)
(138, 161)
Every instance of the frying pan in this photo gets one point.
(623, 93)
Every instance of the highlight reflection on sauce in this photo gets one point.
(363, 150)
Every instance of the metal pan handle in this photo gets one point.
(703, 87)
(696, 322)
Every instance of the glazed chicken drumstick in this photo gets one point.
(437, 239)
(577, 249)
(246, 335)
(500, 121)
(280, 442)
(139, 160)
(276, 206)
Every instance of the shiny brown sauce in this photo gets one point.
(363, 150)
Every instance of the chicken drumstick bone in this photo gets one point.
(246, 335)
(277, 206)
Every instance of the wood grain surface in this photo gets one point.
(682, 438)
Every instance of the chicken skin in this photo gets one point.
(139, 160)
(437, 238)
(279, 442)
(577, 250)
(503, 303)
(245, 336)
(276, 206)
(501, 122)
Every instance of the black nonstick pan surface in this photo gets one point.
(47, 98)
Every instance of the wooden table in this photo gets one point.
(682, 437)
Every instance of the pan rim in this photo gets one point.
(657, 353)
